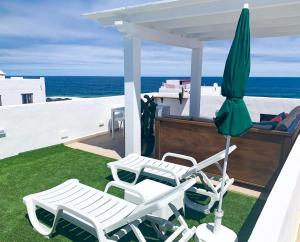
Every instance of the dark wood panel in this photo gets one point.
(257, 161)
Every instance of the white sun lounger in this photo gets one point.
(105, 216)
(163, 170)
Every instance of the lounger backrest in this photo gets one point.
(208, 162)
(161, 200)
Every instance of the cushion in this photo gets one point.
(284, 115)
(277, 119)
(265, 125)
(294, 124)
(285, 124)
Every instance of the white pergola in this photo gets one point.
(188, 24)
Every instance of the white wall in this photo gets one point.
(279, 218)
(12, 88)
(34, 126)
(256, 105)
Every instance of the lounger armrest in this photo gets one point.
(179, 156)
(162, 170)
(124, 186)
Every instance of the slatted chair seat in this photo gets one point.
(167, 171)
(105, 216)
(99, 206)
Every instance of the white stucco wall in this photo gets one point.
(210, 104)
(12, 88)
(34, 126)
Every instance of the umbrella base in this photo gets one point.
(204, 233)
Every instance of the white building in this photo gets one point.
(19, 90)
(176, 87)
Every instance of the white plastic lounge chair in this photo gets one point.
(163, 170)
(105, 216)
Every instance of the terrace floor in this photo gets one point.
(102, 144)
(38, 170)
(105, 145)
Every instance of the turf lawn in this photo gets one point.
(42, 169)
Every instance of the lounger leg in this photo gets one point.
(214, 194)
(137, 233)
(183, 230)
(161, 226)
(39, 227)
(159, 229)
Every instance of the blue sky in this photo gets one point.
(49, 37)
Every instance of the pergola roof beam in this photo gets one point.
(258, 14)
(257, 33)
(186, 22)
(203, 10)
(255, 25)
(108, 17)
(146, 33)
(172, 10)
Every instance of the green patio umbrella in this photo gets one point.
(233, 118)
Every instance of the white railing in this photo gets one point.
(210, 104)
(29, 127)
(278, 221)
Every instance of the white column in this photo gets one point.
(132, 87)
(196, 76)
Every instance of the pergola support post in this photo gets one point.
(196, 78)
(132, 88)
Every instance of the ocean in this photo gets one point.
(99, 86)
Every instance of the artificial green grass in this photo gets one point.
(42, 169)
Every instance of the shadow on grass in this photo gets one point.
(64, 228)
(251, 220)
(76, 234)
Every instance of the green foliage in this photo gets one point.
(148, 109)
(180, 95)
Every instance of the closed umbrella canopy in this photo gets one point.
(233, 118)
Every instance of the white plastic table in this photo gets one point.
(150, 189)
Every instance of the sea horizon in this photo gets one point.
(100, 86)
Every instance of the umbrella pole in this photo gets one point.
(219, 211)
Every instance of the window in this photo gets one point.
(0, 100)
(27, 98)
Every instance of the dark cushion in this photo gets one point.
(279, 117)
(294, 124)
(265, 125)
(285, 124)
